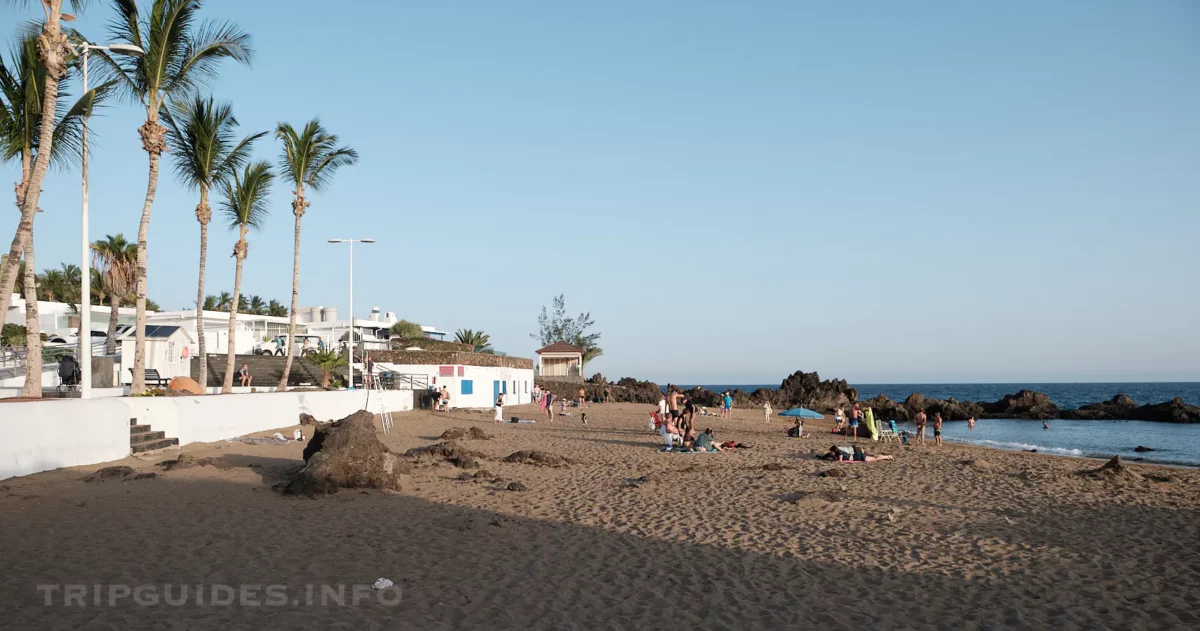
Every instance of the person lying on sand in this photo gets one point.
(852, 454)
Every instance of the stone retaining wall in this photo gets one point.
(451, 358)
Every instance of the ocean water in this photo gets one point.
(1065, 395)
(1173, 443)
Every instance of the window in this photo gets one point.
(467, 386)
(526, 387)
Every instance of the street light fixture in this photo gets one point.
(85, 278)
(350, 363)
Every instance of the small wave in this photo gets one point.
(1026, 447)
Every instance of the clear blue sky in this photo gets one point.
(880, 191)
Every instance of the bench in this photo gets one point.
(152, 375)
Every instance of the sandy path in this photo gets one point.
(709, 541)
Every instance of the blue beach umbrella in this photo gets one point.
(801, 412)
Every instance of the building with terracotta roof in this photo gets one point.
(560, 361)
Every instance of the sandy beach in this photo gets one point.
(955, 537)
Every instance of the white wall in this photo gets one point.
(483, 378)
(45, 435)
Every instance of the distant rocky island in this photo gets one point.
(806, 389)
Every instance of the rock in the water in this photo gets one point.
(1024, 404)
(517, 486)
(347, 454)
(538, 458)
(109, 473)
(1143, 448)
(184, 386)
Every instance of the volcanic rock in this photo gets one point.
(540, 458)
(307, 419)
(805, 389)
(886, 410)
(449, 451)
(184, 386)
(1024, 404)
(832, 473)
(109, 473)
(1143, 448)
(517, 486)
(347, 454)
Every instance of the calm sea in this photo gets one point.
(1175, 444)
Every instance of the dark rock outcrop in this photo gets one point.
(630, 390)
(540, 458)
(1173, 411)
(805, 389)
(1143, 448)
(1122, 408)
(1024, 404)
(347, 454)
(886, 410)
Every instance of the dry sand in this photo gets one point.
(1012, 540)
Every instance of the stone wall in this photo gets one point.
(451, 358)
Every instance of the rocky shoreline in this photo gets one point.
(807, 390)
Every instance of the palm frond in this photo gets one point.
(245, 201)
(201, 54)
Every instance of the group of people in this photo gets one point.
(440, 399)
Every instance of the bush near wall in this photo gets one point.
(451, 358)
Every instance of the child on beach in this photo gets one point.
(855, 415)
(767, 411)
(840, 416)
(937, 429)
(797, 430)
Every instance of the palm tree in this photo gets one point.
(53, 53)
(256, 306)
(224, 302)
(310, 159)
(115, 258)
(52, 284)
(200, 133)
(478, 339)
(590, 353)
(181, 56)
(328, 361)
(245, 206)
(210, 304)
(275, 309)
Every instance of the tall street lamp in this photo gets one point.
(350, 363)
(85, 277)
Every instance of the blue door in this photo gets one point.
(504, 387)
(495, 390)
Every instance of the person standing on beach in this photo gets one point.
(919, 420)
(499, 408)
(662, 407)
(537, 394)
(673, 397)
(728, 403)
(839, 415)
(607, 394)
(582, 396)
(548, 404)
(855, 415)
(937, 429)
(767, 411)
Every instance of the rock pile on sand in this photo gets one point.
(540, 458)
(449, 451)
(472, 433)
(347, 454)
(1113, 470)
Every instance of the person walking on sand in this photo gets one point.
(499, 408)
(582, 396)
(937, 429)
(767, 411)
(919, 420)
(839, 415)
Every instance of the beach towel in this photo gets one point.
(872, 426)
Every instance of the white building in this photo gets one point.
(168, 350)
(373, 332)
(473, 379)
(62, 319)
(249, 330)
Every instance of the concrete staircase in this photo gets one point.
(143, 438)
(267, 370)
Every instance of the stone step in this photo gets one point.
(151, 446)
(146, 437)
(138, 429)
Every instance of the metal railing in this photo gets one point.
(12, 357)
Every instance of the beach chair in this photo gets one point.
(888, 434)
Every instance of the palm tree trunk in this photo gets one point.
(153, 142)
(53, 50)
(287, 365)
(203, 215)
(33, 331)
(230, 357)
(110, 345)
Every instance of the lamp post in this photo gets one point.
(85, 265)
(350, 363)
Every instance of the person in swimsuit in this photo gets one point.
(687, 419)
(840, 416)
(855, 416)
(673, 397)
(582, 396)
(919, 420)
(937, 429)
(861, 455)
(971, 423)
(548, 404)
